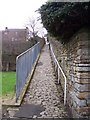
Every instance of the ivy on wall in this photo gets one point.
(63, 19)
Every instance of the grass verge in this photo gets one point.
(8, 83)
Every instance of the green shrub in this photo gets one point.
(63, 19)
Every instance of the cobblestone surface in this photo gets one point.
(43, 90)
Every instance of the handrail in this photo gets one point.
(59, 69)
(24, 65)
(26, 51)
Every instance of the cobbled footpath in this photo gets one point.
(43, 89)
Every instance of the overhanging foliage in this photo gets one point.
(62, 19)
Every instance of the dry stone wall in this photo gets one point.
(74, 57)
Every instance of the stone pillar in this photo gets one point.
(82, 79)
(79, 84)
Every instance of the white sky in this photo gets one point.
(15, 13)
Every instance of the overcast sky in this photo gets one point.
(15, 13)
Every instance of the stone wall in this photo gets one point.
(74, 57)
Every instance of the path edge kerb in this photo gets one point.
(22, 94)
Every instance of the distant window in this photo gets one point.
(16, 33)
(5, 33)
(12, 39)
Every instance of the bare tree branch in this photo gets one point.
(35, 27)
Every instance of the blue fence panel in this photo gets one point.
(24, 64)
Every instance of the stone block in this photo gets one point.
(83, 111)
(74, 104)
(83, 43)
(72, 78)
(82, 81)
(83, 69)
(83, 51)
(85, 75)
(83, 95)
(88, 103)
(83, 65)
(80, 103)
(74, 113)
(82, 87)
(79, 59)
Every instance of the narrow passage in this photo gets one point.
(43, 95)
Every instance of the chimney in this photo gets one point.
(6, 28)
(26, 28)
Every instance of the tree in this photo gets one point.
(35, 27)
(33, 30)
(63, 19)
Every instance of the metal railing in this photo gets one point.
(24, 64)
(58, 67)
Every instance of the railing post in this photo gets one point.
(58, 75)
(55, 67)
(65, 92)
(58, 72)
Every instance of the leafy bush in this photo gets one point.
(63, 19)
